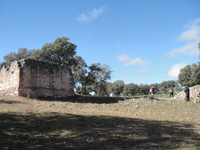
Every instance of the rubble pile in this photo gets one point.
(194, 94)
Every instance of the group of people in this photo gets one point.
(171, 92)
(153, 90)
(186, 90)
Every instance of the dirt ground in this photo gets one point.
(91, 123)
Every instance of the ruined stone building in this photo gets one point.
(36, 79)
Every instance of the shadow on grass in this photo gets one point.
(75, 132)
(86, 99)
(9, 102)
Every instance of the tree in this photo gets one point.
(101, 76)
(61, 51)
(178, 87)
(195, 74)
(199, 50)
(190, 74)
(130, 89)
(118, 87)
(35, 54)
(184, 76)
(80, 72)
(92, 78)
(109, 88)
(21, 54)
(144, 89)
(166, 85)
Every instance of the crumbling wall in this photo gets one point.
(194, 94)
(40, 79)
(9, 79)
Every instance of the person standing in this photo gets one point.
(152, 90)
(171, 93)
(187, 93)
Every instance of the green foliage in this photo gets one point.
(92, 78)
(61, 51)
(130, 89)
(190, 75)
(185, 75)
(117, 87)
(80, 70)
(199, 50)
(101, 75)
(166, 85)
(21, 54)
(35, 54)
(144, 89)
(195, 74)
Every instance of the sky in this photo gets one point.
(143, 41)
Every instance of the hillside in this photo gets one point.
(84, 123)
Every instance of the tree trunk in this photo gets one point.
(83, 89)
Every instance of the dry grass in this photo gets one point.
(98, 123)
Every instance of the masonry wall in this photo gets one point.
(9, 79)
(41, 79)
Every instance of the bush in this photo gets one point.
(151, 97)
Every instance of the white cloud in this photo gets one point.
(192, 36)
(95, 13)
(123, 58)
(129, 61)
(189, 49)
(134, 61)
(175, 70)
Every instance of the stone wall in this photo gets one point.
(194, 94)
(9, 79)
(41, 79)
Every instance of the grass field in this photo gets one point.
(98, 123)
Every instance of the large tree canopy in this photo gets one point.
(190, 75)
(61, 51)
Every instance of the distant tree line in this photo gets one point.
(119, 88)
(94, 78)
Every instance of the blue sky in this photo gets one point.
(143, 41)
